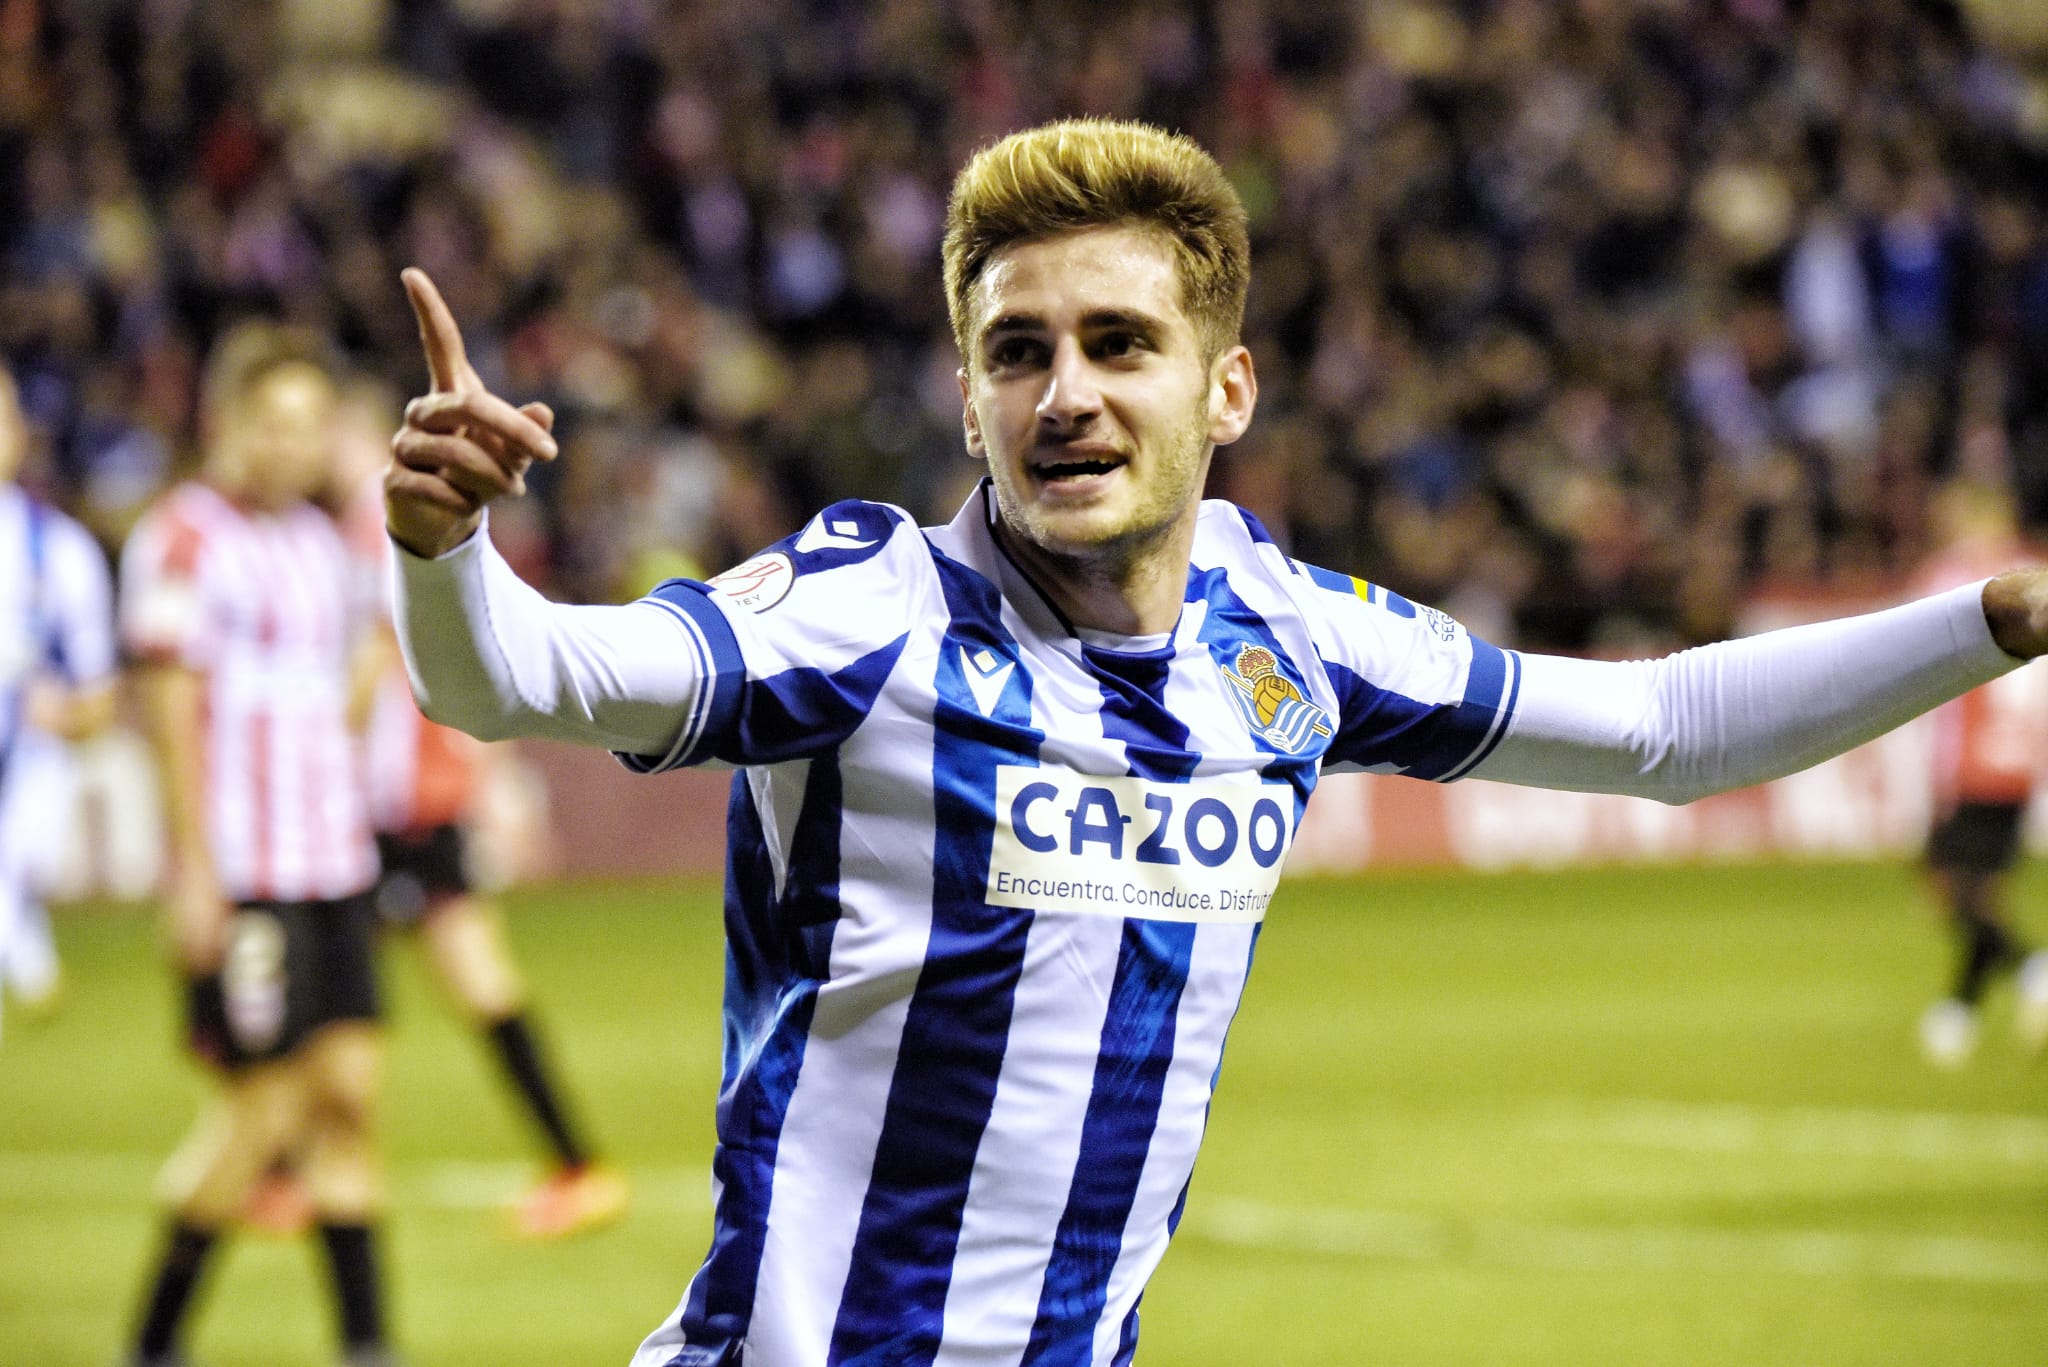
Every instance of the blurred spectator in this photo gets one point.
(1588, 315)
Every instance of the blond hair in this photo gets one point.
(251, 350)
(1089, 173)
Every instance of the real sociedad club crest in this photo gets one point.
(1272, 706)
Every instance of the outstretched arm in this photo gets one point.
(1740, 712)
(485, 652)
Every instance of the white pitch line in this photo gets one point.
(1403, 1237)
(46, 1179)
(1942, 1137)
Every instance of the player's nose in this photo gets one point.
(1071, 395)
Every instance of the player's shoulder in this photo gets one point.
(181, 524)
(843, 565)
(851, 547)
(54, 529)
(850, 532)
(73, 553)
(1234, 537)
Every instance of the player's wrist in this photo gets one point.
(433, 543)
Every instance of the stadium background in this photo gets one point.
(1609, 326)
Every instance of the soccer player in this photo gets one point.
(1015, 791)
(56, 684)
(1990, 746)
(245, 611)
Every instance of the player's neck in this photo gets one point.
(1123, 590)
(247, 495)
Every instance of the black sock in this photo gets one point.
(1987, 947)
(352, 1260)
(177, 1277)
(520, 1055)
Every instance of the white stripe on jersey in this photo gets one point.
(1217, 972)
(834, 1118)
(1034, 1132)
(268, 609)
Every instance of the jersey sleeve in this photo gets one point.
(164, 613)
(799, 640)
(1739, 712)
(82, 640)
(1416, 693)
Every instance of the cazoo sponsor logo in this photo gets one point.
(1205, 850)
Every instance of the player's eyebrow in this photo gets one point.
(1014, 322)
(1095, 320)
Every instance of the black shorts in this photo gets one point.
(291, 968)
(1977, 837)
(421, 871)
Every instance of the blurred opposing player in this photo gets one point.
(423, 782)
(1990, 746)
(245, 612)
(56, 684)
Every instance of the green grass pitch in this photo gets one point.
(1628, 1117)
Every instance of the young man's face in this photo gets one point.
(280, 436)
(1089, 396)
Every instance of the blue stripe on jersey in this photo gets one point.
(40, 635)
(805, 712)
(957, 1026)
(777, 953)
(1137, 1037)
(1123, 1111)
(1133, 686)
(791, 715)
(1127, 1341)
(1352, 587)
(726, 669)
(1329, 579)
(844, 534)
(1494, 663)
(42, 618)
(1425, 740)
(1256, 528)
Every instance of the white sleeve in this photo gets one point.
(487, 654)
(1728, 715)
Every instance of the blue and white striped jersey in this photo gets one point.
(993, 893)
(56, 606)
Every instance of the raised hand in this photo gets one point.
(461, 445)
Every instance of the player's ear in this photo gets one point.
(1233, 394)
(976, 447)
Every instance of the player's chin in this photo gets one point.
(1077, 530)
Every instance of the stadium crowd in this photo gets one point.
(1582, 320)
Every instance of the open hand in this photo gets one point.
(461, 445)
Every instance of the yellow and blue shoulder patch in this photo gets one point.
(1356, 587)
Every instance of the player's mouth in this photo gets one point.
(1076, 465)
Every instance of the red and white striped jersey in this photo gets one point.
(268, 607)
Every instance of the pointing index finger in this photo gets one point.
(440, 338)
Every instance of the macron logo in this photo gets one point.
(840, 534)
(986, 673)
